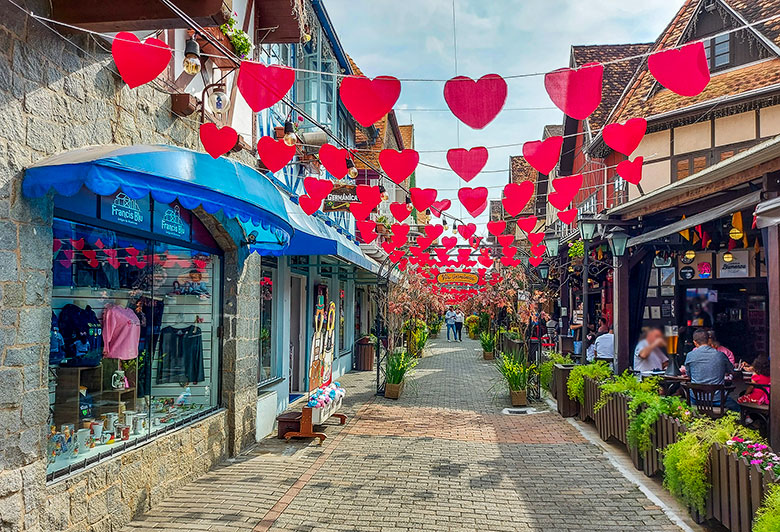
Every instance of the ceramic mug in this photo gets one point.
(111, 420)
(118, 380)
(97, 430)
(123, 431)
(82, 436)
(139, 424)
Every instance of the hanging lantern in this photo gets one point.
(351, 170)
(191, 63)
(289, 134)
(383, 193)
(219, 101)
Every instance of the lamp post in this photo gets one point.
(617, 239)
(587, 230)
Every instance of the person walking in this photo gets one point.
(449, 319)
(460, 317)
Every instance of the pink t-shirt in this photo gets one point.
(726, 351)
(121, 331)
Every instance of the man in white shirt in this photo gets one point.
(649, 355)
(604, 347)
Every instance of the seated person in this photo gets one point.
(706, 365)
(713, 341)
(760, 370)
(604, 346)
(649, 355)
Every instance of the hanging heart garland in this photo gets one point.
(517, 196)
(434, 231)
(309, 205)
(399, 231)
(368, 195)
(509, 251)
(527, 224)
(449, 242)
(368, 100)
(565, 190)
(422, 198)
(684, 71)
(631, 171)
(217, 141)
(367, 230)
(505, 240)
(262, 86)
(389, 246)
(535, 238)
(139, 62)
(334, 160)
(474, 200)
(496, 228)
(535, 261)
(543, 155)
(398, 165)
(438, 207)
(399, 211)
(485, 261)
(567, 217)
(475, 103)
(274, 154)
(625, 138)
(360, 210)
(467, 163)
(576, 92)
(317, 188)
(538, 250)
(467, 230)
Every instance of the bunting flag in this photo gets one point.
(685, 233)
(736, 222)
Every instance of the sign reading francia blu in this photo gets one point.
(457, 278)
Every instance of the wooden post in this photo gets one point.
(772, 257)
(620, 275)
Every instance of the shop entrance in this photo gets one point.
(297, 333)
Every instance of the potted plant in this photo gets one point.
(488, 342)
(399, 364)
(382, 225)
(434, 326)
(516, 373)
(472, 326)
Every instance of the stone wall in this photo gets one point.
(56, 96)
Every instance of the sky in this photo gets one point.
(414, 39)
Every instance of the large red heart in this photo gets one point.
(369, 195)
(274, 154)
(359, 210)
(567, 217)
(517, 196)
(449, 242)
(399, 230)
(535, 238)
(485, 261)
(396, 256)
(398, 165)
(565, 190)
(438, 207)
(334, 160)
(684, 71)
(434, 231)
(368, 100)
(475, 103)
(538, 251)
(308, 204)
(467, 163)
(367, 230)
(139, 62)
(403, 264)
(535, 261)
(467, 230)
(496, 228)
(441, 254)
(261, 85)
(625, 138)
(399, 211)
(388, 246)
(473, 199)
(576, 92)
(543, 155)
(217, 141)
(317, 188)
(528, 223)
(509, 251)
(422, 198)
(424, 242)
(505, 240)
(631, 171)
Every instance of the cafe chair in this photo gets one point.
(709, 399)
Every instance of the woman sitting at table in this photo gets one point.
(714, 343)
(758, 395)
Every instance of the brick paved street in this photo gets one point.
(443, 457)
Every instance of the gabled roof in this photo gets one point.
(552, 130)
(407, 133)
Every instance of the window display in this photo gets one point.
(342, 316)
(267, 369)
(134, 344)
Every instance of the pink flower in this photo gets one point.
(756, 461)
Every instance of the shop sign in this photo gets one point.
(738, 267)
(701, 266)
(457, 278)
(172, 221)
(120, 208)
(340, 198)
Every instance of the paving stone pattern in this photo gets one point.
(443, 457)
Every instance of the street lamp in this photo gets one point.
(587, 229)
(544, 270)
(618, 240)
(552, 244)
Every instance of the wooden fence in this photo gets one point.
(566, 407)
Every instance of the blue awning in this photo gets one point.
(168, 173)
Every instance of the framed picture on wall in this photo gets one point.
(655, 312)
(646, 314)
(653, 277)
(652, 292)
(667, 291)
(667, 276)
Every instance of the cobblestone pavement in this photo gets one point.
(443, 457)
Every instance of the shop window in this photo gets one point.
(134, 348)
(268, 368)
(342, 315)
(689, 165)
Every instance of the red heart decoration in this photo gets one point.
(93, 263)
(367, 230)
(535, 261)
(441, 254)
(308, 204)
(567, 217)
(399, 230)
(565, 190)
(139, 62)
(476, 241)
(91, 253)
(625, 138)
(359, 210)
(141, 261)
(509, 251)
(416, 251)
(262, 86)
(398, 165)
(396, 256)
(403, 264)
(99, 243)
(631, 171)
(535, 238)
(505, 240)
(538, 251)
(317, 188)
(434, 231)
(438, 207)
(475, 103)
(576, 92)
(334, 160)
(517, 196)
(684, 71)
(496, 228)
(543, 155)
(506, 261)
(274, 154)
(113, 261)
(424, 241)
(388, 246)
(527, 224)
(218, 141)
(473, 199)
(467, 230)
(487, 262)
(467, 163)
(422, 198)
(399, 211)
(449, 242)
(56, 245)
(77, 244)
(368, 100)
(132, 251)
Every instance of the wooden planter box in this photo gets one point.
(487, 355)
(566, 407)
(393, 391)
(518, 397)
(222, 62)
(365, 356)
(667, 429)
(612, 423)
(592, 395)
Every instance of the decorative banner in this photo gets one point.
(262, 86)
(467, 230)
(631, 171)
(467, 163)
(473, 199)
(318, 188)
(449, 242)
(684, 71)
(565, 190)
(625, 138)
(457, 278)
(422, 198)
(368, 100)
(576, 92)
(334, 160)
(527, 224)
(274, 154)
(434, 231)
(543, 155)
(496, 228)
(218, 141)
(367, 230)
(369, 196)
(341, 197)
(505, 240)
(475, 103)
(398, 165)
(517, 196)
(139, 62)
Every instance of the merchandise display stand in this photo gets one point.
(316, 416)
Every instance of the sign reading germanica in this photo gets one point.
(457, 277)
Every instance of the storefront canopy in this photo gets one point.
(768, 213)
(168, 173)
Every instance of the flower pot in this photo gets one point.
(393, 391)
(518, 397)
(487, 355)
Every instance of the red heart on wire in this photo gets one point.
(467, 230)
(631, 171)
(485, 261)
(527, 224)
(476, 241)
(132, 251)
(398, 165)
(367, 230)
(422, 198)
(77, 244)
(441, 254)
(218, 141)
(449, 242)
(576, 92)
(396, 256)
(399, 230)
(567, 217)
(317, 188)
(684, 71)
(506, 261)
(535, 238)
(368, 100)
(467, 163)
(543, 155)
(535, 261)
(274, 154)
(309, 205)
(505, 240)
(434, 231)
(509, 251)
(93, 263)
(388, 246)
(99, 244)
(90, 253)
(334, 160)
(473, 199)
(399, 211)
(359, 210)
(538, 251)
(262, 86)
(424, 242)
(625, 138)
(475, 103)
(517, 196)
(438, 207)
(56, 245)
(139, 62)
(403, 264)
(496, 228)
(565, 190)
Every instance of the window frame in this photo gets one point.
(276, 369)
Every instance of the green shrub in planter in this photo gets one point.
(398, 366)
(597, 371)
(546, 367)
(768, 516)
